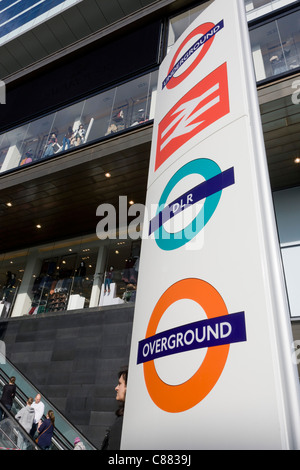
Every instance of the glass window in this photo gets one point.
(63, 277)
(97, 114)
(131, 104)
(180, 23)
(256, 8)
(121, 272)
(35, 140)
(289, 31)
(12, 148)
(84, 271)
(69, 275)
(12, 266)
(255, 4)
(63, 134)
(275, 46)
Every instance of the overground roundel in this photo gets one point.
(182, 397)
(201, 30)
(171, 241)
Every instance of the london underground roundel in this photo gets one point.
(194, 54)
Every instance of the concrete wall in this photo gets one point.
(73, 359)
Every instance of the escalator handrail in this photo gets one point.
(50, 403)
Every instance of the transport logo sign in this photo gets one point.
(216, 334)
(210, 190)
(203, 105)
(193, 54)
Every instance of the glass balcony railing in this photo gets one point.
(102, 115)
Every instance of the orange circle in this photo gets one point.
(202, 29)
(182, 397)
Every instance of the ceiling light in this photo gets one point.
(38, 226)
(297, 160)
(131, 202)
(9, 204)
(108, 175)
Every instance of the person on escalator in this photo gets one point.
(8, 395)
(78, 445)
(25, 416)
(39, 409)
(45, 430)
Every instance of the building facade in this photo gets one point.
(79, 83)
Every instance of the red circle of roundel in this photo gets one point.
(202, 29)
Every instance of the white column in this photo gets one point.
(98, 279)
(12, 158)
(259, 65)
(23, 300)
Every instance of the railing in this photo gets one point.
(90, 120)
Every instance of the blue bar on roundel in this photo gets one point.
(194, 195)
(215, 331)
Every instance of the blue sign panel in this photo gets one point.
(16, 13)
(216, 331)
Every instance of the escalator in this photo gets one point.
(12, 435)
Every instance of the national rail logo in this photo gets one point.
(191, 55)
(216, 334)
(199, 108)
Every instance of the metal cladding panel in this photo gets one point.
(17, 16)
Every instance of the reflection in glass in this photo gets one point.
(64, 279)
(65, 127)
(37, 136)
(121, 273)
(98, 113)
(289, 27)
(275, 46)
